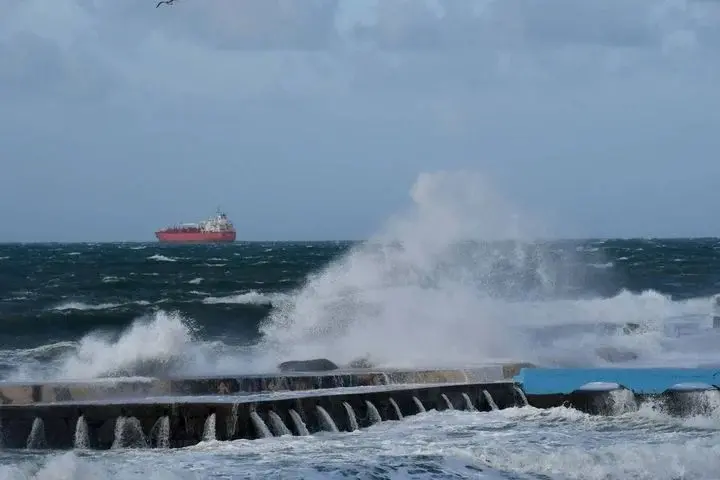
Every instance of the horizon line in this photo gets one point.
(538, 239)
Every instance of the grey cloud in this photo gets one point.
(454, 44)
(28, 61)
(240, 100)
(250, 25)
(399, 25)
(34, 66)
(609, 23)
(474, 24)
(237, 49)
(474, 40)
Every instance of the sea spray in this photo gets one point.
(209, 428)
(36, 438)
(460, 279)
(326, 421)
(439, 284)
(81, 439)
(407, 302)
(128, 433)
(372, 413)
(300, 426)
(261, 427)
(278, 425)
(352, 418)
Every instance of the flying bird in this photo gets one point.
(168, 2)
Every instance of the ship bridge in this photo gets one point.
(219, 223)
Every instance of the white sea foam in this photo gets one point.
(252, 297)
(507, 443)
(85, 306)
(157, 340)
(166, 342)
(161, 258)
(82, 306)
(69, 466)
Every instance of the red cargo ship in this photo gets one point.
(217, 229)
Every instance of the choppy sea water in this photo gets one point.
(91, 310)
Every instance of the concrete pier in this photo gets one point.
(177, 412)
(187, 416)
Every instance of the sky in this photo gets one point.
(311, 119)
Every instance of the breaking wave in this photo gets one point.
(161, 344)
(461, 278)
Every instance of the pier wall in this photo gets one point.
(167, 413)
(187, 416)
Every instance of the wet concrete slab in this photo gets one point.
(242, 384)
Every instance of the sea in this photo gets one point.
(89, 310)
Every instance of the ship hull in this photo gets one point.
(195, 237)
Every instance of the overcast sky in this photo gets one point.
(311, 119)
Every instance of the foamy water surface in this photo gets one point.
(516, 443)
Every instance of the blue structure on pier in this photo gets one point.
(648, 381)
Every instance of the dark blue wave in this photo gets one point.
(133, 280)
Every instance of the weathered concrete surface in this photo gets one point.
(24, 394)
(187, 419)
(313, 365)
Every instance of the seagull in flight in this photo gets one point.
(169, 2)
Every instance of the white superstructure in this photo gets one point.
(219, 223)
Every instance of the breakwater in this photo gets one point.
(154, 412)
(170, 413)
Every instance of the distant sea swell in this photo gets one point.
(53, 296)
(59, 292)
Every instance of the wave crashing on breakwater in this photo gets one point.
(457, 278)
